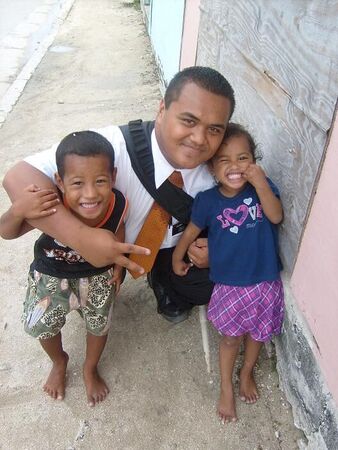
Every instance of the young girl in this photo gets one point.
(241, 214)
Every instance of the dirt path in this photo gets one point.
(100, 71)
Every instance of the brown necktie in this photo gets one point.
(153, 231)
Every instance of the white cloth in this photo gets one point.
(140, 201)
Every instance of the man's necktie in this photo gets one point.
(153, 231)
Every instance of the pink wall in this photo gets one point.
(315, 278)
(190, 33)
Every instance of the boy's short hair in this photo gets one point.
(206, 78)
(83, 143)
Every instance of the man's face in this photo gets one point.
(190, 131)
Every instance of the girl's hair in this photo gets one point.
(235, 129)
(83, 143)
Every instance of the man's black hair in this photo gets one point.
(83, 143)
(206, 78)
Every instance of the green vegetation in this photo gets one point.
(133, 4)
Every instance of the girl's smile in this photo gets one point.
(230, 164)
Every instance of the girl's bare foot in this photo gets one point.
(248, 392)
(96, 388)
(226, 405)
(56, 381)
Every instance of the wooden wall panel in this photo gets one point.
(281, 59)
(292, 42)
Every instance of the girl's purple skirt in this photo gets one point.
(257, 309)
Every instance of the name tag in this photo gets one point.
(178, 228)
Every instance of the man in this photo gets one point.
(189, 128)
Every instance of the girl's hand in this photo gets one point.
(116, 279)
(255, 175)
(35, 203)
(271, 205)
(180, 267)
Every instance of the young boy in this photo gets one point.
(60, 280)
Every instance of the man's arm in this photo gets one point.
(97, 246)
(33, 203)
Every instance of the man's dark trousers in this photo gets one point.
(175, 294)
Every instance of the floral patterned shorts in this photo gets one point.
(49, 300)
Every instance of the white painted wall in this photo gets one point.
(166, 34)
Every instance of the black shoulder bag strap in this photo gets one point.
(175, 201)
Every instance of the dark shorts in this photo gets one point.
(49, 300)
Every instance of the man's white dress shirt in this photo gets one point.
(140, 201)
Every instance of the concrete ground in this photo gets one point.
(99, 70)
(27, 29)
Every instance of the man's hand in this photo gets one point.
(198, 253)
(35, 203)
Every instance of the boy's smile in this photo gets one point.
(87, 186)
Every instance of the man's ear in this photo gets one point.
(59, 182)
(113, 175)
(161, 109)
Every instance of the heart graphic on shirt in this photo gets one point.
(234, 229)
(247, 201)
(236, 216)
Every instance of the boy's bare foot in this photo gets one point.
(248, 392)
(96, 388)
(226, 405)
(56, 381)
